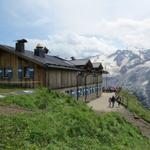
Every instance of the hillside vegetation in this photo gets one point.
(56, 121)
(134, 105)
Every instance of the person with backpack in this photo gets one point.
(109, 101)
(113, 101)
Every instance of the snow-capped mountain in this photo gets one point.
(130, 70)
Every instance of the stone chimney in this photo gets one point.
(20, 45)
(40, 51)
(73, 58)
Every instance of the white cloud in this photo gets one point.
(83, 28)
(131, 33)
(40, 22)
(72, 44)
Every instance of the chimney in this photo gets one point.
(40, 51)
(73, 58)
(20, 45)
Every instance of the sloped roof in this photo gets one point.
(97, 65)
(49, 61)
(80, 62)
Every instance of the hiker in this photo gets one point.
(113, 101)
(109, 100)
(119, 100)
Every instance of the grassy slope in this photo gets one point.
(59, 122)
(135, 106)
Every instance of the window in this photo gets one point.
(26, 72)
(5, 73)
(20, 72)
(73, 93)
(8, 73)
(81, 92)
(93, 89)
(86, 91)
(1, 73)
(31, 73)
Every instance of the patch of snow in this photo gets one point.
(145, 83)
(125, 61)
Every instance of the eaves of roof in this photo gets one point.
(49, 61)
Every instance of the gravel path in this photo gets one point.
(137, 121)
(101, 104)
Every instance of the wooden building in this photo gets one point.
(23, 68)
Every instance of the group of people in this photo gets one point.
(112, 100)
(111, 89)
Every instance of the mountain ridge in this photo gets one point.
(129, 70)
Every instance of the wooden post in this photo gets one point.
(85, 87)
(97, 86)
(77, 85)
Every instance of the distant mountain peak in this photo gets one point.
(130, 69)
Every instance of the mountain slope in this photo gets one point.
(130, 70)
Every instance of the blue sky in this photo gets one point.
(77, 28)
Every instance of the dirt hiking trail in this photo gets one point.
(102, 105)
